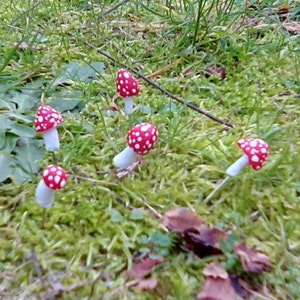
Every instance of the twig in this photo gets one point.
(36, 265)
(153, 211)
(105, 14)
(155, 85)
(112, 9)
(93, 180)
(128, 170)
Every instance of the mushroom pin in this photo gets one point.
(54, 178)
(255, 151)
(46, 120)
(141, 140)
(127, 87)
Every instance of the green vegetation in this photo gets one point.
(54, 51)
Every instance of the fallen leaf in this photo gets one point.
(180, 220)
(199, 238)
(251, 259)
(217, 285)
(143, 267)
(292, 27)
(239, 286)
(205, 240)
(147, 284)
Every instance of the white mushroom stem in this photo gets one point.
(125, 158)
(51, 139)
(237, 167)
(128, 105)
(232, 171)
(44, 196)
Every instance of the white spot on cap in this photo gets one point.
(126, 74)
(57, 179)
(253, 143)
(255, 158)
(62, 184)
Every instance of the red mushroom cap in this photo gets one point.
(55, 177)
(47, 118)
(142, 138)
(127, 85)
(257, 151)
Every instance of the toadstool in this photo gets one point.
(141, 140)
(256, 152)
(54, 178)
(127, 87)
(46, 120)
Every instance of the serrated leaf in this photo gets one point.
(74, 71)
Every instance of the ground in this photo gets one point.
(67, 54)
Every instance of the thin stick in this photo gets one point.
(155, 85)
(216, 189)
(36, 265)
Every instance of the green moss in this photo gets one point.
(90, 236)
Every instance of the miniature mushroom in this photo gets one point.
(127, 87)
(255, 151)
(141, 140)
(46, 120)
(54, 178)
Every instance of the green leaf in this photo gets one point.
(5, 163)
(116, 216)
(137, 214)
(20, 175)
(27, 155)
(2, 137)
(10, 143)
(24, 102)
(21, 129)
(74, 71)
(5, 105)
(67, 105)
(143, 239)
(158, 238)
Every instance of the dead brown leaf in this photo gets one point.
(217, 285)
(199, 238)
(182, 219)
(292, 27)
(205, 240)
(251, 259)
(143, 267)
